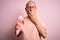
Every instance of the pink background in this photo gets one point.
(49, 10)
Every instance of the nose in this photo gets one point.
(30, 8)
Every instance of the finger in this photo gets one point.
(20, 20)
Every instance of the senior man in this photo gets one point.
(30, 27)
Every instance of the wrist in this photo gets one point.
(36, 22)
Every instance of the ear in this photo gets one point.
(25, 8)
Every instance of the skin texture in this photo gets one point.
(33, 27)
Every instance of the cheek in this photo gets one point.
(27, 10)
(34, 10)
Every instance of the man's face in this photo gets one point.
(31, 8)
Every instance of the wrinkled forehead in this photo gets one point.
(30, 3)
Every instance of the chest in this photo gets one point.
(29, 26)
(30, 31)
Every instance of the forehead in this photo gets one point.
(30, 4)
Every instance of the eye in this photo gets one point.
(31, 7)
(28, 7)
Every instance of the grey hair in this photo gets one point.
(29, 2)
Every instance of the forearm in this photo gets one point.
(41, 29)
(37, 22)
